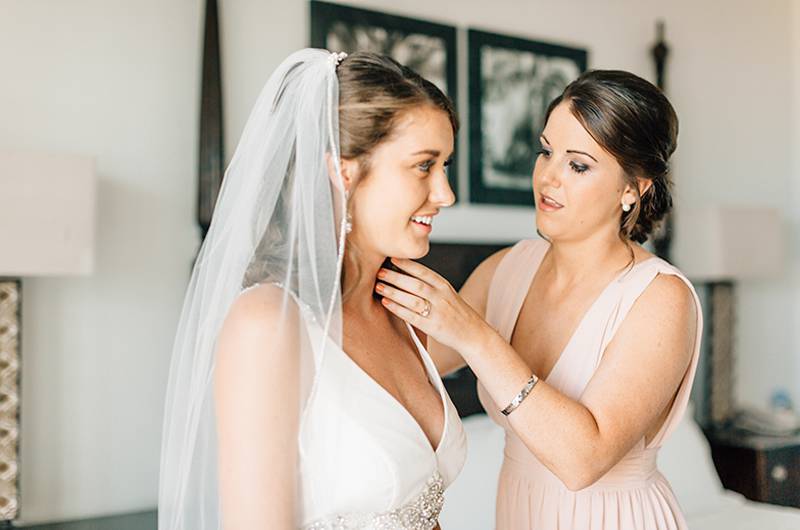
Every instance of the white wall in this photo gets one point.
(119, 80)
(736, 149)
(795, 200)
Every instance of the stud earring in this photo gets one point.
(626, 207)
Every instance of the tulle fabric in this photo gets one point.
(279, 219)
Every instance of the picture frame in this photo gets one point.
(511, 83)
(426, 47)
(210, 155)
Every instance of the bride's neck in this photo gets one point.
(359, 285)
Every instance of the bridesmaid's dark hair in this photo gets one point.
(633, 120)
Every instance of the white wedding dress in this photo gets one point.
(364, 462)
(384, 473)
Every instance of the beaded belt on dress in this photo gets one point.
(422, 513)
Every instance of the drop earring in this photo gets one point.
(348, 223)
(348, 219)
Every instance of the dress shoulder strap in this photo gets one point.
(681, 402)
(633, 285)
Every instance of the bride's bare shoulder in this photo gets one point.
(259, 312)
(263, 299)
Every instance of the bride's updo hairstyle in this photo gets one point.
(633, 121)
(374, 92)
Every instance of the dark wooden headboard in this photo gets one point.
(456, 261)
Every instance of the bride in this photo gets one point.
(295, 399)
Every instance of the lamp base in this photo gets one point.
(721, 333)
(10, 317)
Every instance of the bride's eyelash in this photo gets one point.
(426, 166)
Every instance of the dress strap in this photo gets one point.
(511, 282)
(633, 285)
(681, 402)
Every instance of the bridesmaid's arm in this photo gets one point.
(475, 293)
(628, 394)
(578, 440)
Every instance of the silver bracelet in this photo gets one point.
(519, 398)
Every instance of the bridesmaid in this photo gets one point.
(584, 343)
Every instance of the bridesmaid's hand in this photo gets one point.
(428, 302)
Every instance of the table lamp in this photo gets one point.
(721, 246)
(47, 228)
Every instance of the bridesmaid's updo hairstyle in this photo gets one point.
(633, 120)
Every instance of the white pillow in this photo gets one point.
(685, 459)
(469, 503)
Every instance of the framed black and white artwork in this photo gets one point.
(511, 83)
(426, 47)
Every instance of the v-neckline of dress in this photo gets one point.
(584, 317)
(430, 370)
(433, 377)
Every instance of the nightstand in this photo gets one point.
(762, 468)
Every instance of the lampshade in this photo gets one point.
(724, 243)
(47, 214)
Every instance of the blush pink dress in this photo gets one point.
(633, 495)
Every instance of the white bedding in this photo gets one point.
(742, 514)
(685, 460)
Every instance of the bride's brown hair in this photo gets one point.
(374, 93)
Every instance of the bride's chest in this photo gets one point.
(360, 451)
